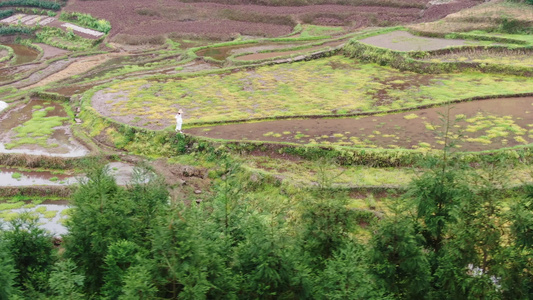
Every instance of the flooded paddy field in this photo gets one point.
(50, 216)
(475, 126)
(23, 54)
(16, 177)
(39, 128)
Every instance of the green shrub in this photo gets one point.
(6, 13)
(86, 20)
(32, 3)
(9, 30)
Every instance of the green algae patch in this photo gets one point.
(38, 129)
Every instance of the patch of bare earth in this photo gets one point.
(80, 66)
(143, 18)
(49, 51)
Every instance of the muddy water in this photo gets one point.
(3, 105)
(122, 172)
(23, 54)
(221, 53)
(482, 125)
(53, 225)
(14, 177)
(61, 142)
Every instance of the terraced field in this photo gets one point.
(319, 137)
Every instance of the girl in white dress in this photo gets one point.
(179, 121)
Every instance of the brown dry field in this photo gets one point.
(163, 17)
(80, 66)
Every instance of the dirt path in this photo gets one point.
(80, 66)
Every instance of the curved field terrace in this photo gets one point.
(332, 86)
(509, 57)
(476, 126)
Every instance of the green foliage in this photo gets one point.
(9, 30)
(32, 3)
(397, 259)
(38, 129)
(8, 272)
(86, 20)
(522, 216)
(267, 264)
(97, 221)
(65, 282)
(516, 273)
(327, 224)
(58, 38)
(138, 284)
(6, 13)
(514, 26)
(346, 276)
(32, 252)
(184, 258)
(120, 257)
(105, 213)
(434, 194)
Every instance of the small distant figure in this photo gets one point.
(179, 121)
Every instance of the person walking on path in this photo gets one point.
(179, 121)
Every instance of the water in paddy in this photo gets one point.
(23, 54)
(14, 177)
(52, 222)
(3, 105)
(62, 141)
